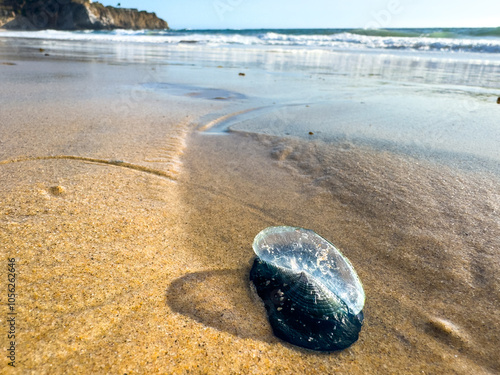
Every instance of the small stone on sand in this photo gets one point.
(57, 190)
(449, 330)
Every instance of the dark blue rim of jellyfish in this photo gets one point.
(313, 297)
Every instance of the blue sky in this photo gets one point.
(245, 14)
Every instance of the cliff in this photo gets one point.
(73, 15)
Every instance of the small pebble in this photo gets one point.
(498, 100)
(311, 133)
(57, 190)
(447, 329)
(241, 74)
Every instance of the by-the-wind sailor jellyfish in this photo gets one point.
(313, 296)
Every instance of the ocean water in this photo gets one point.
(480, 40)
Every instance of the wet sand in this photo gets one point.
(424, 262)
(132, 235)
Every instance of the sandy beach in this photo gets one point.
(132, 229)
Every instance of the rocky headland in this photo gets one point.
(73, 15)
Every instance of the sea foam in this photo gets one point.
(411, 40)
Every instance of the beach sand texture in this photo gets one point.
(132, 235)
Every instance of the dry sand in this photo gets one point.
(133, 240)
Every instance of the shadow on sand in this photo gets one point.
(221, 299)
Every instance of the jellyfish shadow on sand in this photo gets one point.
(221, 299)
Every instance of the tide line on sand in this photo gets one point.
(118, 163)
